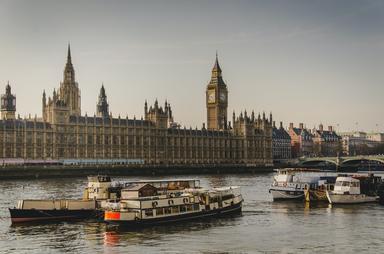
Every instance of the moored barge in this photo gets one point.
(50, 210)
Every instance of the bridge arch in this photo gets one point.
(318, 161)
(358, 160)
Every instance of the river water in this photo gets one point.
(263, 227)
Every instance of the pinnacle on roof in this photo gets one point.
(69, 59)
(216, 67)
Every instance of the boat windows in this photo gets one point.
(159, 211)
(196, 207)
(189, 208)
(148, 212)
(228, 196)
(343, 183)
(183, 209)
(175, 209)
(167, 210)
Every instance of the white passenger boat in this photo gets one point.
(289, 184)
(144, 204)
(354, 190)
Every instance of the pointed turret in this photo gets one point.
(216, 70)
(69, 72)
(8, 104)
(102, 107)
(44, 98)
(69, 59)
(69, 92)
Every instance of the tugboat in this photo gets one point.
(289, 184)
(355, 190)
(144, 204)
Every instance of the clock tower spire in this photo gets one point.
(216, 99)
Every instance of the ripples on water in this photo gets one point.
(265, 226)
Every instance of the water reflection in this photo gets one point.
(115, 234)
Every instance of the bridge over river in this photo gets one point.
(364, 161)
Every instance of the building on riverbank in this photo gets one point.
(362, 143)
(326, 142)
(301, 141)
(281, 144)
(63, 132)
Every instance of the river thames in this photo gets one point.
(263, 227)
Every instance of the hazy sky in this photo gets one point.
(306, 61)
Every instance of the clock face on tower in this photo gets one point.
(223, 96)
(211, 96)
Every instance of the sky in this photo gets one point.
(318, 61)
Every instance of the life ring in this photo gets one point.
(154, 204)
(285, 184)
(170, 202)
(185, 200)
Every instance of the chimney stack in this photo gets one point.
(321, 128)
(273, 124)
(301, 126)
(330, 128)
(281, 125)
(290, 125)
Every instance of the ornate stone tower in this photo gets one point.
(102, 107)
(161, 117)
(217, 100)
(69, 89)
(8, 104)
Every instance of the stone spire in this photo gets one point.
(216, 77)
(69, 72)
(102, 107)
(216, 70)
(69, 92)
(69, 59)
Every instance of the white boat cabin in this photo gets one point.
(347, 185)
(98, 188)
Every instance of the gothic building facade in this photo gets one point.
(63, 133)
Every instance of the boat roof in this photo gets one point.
(225, 188)
(299, 170)
(346, 179)
(166, 180)
(99, 178)
(136, 187)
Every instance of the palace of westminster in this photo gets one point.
(63, 133)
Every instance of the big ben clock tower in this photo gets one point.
(217, 100)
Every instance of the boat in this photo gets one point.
(99, 192)
(355, 189)
(99, 188)
(289, 184)
(143, 204)
(50, 210)
(317, 193)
